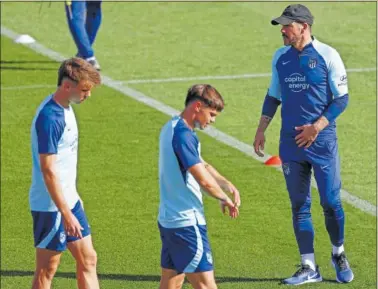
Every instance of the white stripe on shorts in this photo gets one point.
(192, 266)
(43, 244)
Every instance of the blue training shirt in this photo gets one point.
(180, 194)
(306, 82)
(54, 131)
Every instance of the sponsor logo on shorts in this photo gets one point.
(62, 237)
(209, 257)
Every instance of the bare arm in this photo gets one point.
(52, 182)
(51, 179)
(225, 184)
(259, 141)
(321, 123)
(210, 185)
(264, 123)
(207, 182)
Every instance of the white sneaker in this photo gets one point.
(92, 60)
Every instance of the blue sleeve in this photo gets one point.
(270, 106)
(275, 86)
(336, 107)
(185, 146)
(49, 131)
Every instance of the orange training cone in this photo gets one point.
(274, 161)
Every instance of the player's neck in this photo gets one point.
(186, 117)
(61, 99)
(302, 44)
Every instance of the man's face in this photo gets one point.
(80, 92)
(292, 33)
(205, 116)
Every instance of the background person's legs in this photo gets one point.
(93, 20)
(76, 12)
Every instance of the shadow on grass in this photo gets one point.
(27, 61)
(141, 278)
(2, 67)
(28, 65)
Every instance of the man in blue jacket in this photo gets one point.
(309, 80)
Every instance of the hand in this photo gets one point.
(230, 188)
(259, 143)
(232, 208)
(72, 226)
(307, 136)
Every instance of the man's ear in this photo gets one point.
(305, 27)
(66, 85)
(197, 106)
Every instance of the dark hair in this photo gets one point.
(77, 69)
(207, 94)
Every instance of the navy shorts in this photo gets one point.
(186, 250)
(49, 231)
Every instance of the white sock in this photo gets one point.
(337, 250)
(90, 58)
(309, 259)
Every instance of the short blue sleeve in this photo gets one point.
(185, 146)
(275, 86)
(49, 130)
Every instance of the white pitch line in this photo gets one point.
(353, 200)
(222, 77)
(184, 79)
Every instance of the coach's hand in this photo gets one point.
(72, 226)
(307, 136)
(259, 143)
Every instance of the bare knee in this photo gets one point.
(50, 271)
(47, 271)
(88, 262)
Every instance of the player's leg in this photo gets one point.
(86, 261)
(327, 175)
(84, 253)
(196, 259)
(298, 181)
(202, 280)
(93, 21)
(47, 262)
(171, 279)
(50, 241)
(76, 15)
(187, 250)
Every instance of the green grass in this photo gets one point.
(118, 142)
(162, 40)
